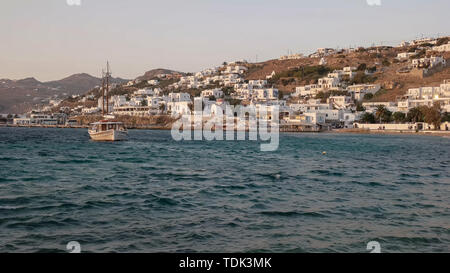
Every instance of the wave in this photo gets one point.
(293, 213)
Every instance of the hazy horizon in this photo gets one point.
(50, 40)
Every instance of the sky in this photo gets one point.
(52, 39)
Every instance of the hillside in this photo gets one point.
(383, 59)
(20, 95)
(154, 72)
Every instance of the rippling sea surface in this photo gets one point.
(153, 194)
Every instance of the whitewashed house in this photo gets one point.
(359, 90)
(371, 107)
(179, 97)
(307, 90)
(405, 55)
(442, 48)
(144, 92)
(153, 82)
(315, 117)
(428, 62)
(179, 107)
(340, 102)
(329, 83)
(217, 93)
(266, 93)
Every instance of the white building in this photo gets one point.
(268, 77)
(153, 82)
(257, 83)
(405, 55)
(428, 62)
(359, 90)
(235, 69)
(36, 119)
(100, 103)
(217, 93)
(425, 93)
(315, 117)
(90, 110)
(291, 57)
(426, 96)
(179, 107)
(371, 107)
(442, 48)
(307, 90)
(155, 102)
(322, 52)
(118, 100)
(179, 97)
(329, 82)
(266, 93)
(322, 61)
(130, 110)
(340, 102)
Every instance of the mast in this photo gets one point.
(107, 87)
(103, 92)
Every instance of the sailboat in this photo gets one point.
(107, 129)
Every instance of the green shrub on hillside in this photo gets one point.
(361, 78)
(303, 73)
(442, 41)
(323, 96)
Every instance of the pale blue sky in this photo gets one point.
(49, 39)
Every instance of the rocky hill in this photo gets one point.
(291, 73)
(18, 96)
(155, 72)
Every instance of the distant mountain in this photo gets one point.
(18, 96)
(80, 83)
(28, 82)
(155, 72)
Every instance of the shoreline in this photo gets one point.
(333, 131)
(390, 132)
(149, 127)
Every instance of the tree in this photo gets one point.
(442, 41)
(412, 49)
(362, 67)
(398, 117)
(432, 115)
(280, 94)
(368, 96)
(367, 118)
(228, 90)
(359, 107)
(383, 114)
(361, 78)
(415, 115)
(372, 69)
(233, 102)
(445, 117)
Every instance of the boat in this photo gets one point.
(107, 129)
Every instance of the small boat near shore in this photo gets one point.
(108, 130)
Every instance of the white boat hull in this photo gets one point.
(109, 135)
